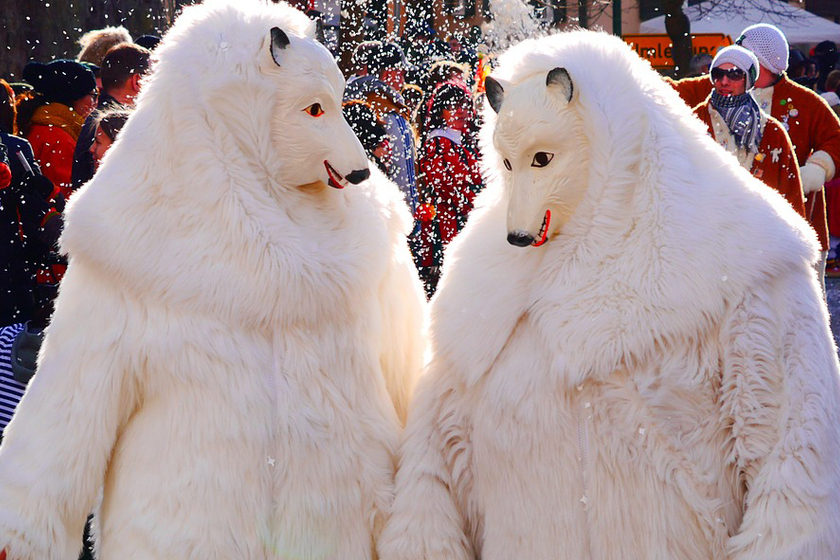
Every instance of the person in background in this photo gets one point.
(19, 345)
(51, 117)
(450, 179)
(370, 132)
(107, 126)
(814, 129)
(30, 223)
(440, 72)
(412, 94)
(825, 57)
(735, 121)
(123, 69)
(699, 65)
(832, 188)
(832, 83)
(386, 64)
(359, 84)
(148, 42)
(96, 43)
(5, 170)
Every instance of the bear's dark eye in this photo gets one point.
(507, 165)
(541, 159)
(314, 110)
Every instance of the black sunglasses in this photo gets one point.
(734, 74)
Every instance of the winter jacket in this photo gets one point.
(774, 163)
(30, 223)
(391, 110)
(52, 134)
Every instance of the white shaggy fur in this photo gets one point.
(657, 381)
(234, 342)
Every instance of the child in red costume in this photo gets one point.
(450, 178)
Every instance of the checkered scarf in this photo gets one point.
(742, 115)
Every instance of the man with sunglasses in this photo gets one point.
(736, 122)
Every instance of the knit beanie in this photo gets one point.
(60, 81)
(768, 44)
(742, 59)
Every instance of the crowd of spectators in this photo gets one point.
(414, 107)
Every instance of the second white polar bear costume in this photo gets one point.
(657, 381)
(234, 341)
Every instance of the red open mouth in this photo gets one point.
(543, 235)
(336, 179)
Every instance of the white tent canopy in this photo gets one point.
(730, 17)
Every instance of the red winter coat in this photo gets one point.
(53, 134)
(450, 181)
(813, 128)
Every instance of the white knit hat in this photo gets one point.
(768, 44)
(742, 59)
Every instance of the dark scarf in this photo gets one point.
(743, 117)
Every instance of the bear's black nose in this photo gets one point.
(358, 176)
(520, 239)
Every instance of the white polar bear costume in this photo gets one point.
(234, 341)
(657, 380)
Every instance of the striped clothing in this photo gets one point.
(11, 391)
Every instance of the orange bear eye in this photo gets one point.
(314, 110)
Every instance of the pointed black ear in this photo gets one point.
(560, 78)
(279, 41)
(495, 93)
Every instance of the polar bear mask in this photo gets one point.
(266, 91)
(539, 138)
(310, 122)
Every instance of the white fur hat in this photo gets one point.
(768, 44)
(742, 59)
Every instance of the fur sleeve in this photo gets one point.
(56, 449)
(426, 522)
(402, 302)
(781, 397)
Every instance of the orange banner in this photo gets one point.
(658, 48)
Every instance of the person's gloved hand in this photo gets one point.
(813, 177)
(5, 176)
(38, 184)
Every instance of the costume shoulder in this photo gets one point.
(702, 112)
